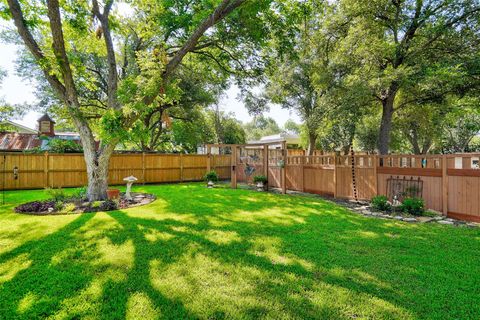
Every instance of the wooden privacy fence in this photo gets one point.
(450, 183)
(33, 171)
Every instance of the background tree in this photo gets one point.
(290, 77)
(393, 42)
(8, 111)
(227, 129)
(292, 126)
(461, 127)
(261, 126)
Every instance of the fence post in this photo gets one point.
(45, 170)
(233, 176)
(209, 165)
(265, 162)
(181, 166)
(302, 169)
(375, 177)
(284, 169)
(335, 175)
(444, 185)
(143, 167)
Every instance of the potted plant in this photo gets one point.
(211, 177)
(113, 194)
(261, 182)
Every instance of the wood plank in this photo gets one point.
(462, 216)
(463, 172)
(423, 172)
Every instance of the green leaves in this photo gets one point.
(112, 124)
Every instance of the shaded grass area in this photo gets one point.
(222, 253)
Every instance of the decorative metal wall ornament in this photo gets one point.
(401, 188)
(249, 169)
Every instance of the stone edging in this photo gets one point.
(365, 210)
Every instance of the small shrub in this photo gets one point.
(260, 178)
(413, 206)
(108, 205)
(56, 194)
(35, 206)
(96, 204)
(69, 207)
(80, 194)
(211, 176)
(381, 203)
(58, 206)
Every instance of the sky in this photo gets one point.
(14, 90)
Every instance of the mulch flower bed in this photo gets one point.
(72, 205)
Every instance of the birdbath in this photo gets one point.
(130, 180)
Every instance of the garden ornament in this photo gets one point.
(130, 180)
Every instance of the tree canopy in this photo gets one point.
(107, 70)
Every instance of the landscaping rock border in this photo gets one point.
(365, 209)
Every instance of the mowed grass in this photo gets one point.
(235, 254)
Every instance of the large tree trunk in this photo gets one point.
(312, 142)
(97, 173)
(96, 161)
(386, 124)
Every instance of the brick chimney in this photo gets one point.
(46, 126)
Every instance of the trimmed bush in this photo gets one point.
(413, 206)
(96, 204)
(69, 207)
(211, 176)
(79, 194)
(260, 178)
(56, 194)
(381, 203)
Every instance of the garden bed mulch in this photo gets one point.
(76, 206)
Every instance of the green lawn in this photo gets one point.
(200, 253)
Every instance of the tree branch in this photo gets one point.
(60, 52)
(111, 60)
(211, 56)
(35, 49)
(223, 9)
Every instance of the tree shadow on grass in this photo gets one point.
(187, 241)
(280, 278)
(33, 277)
(386, 264)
